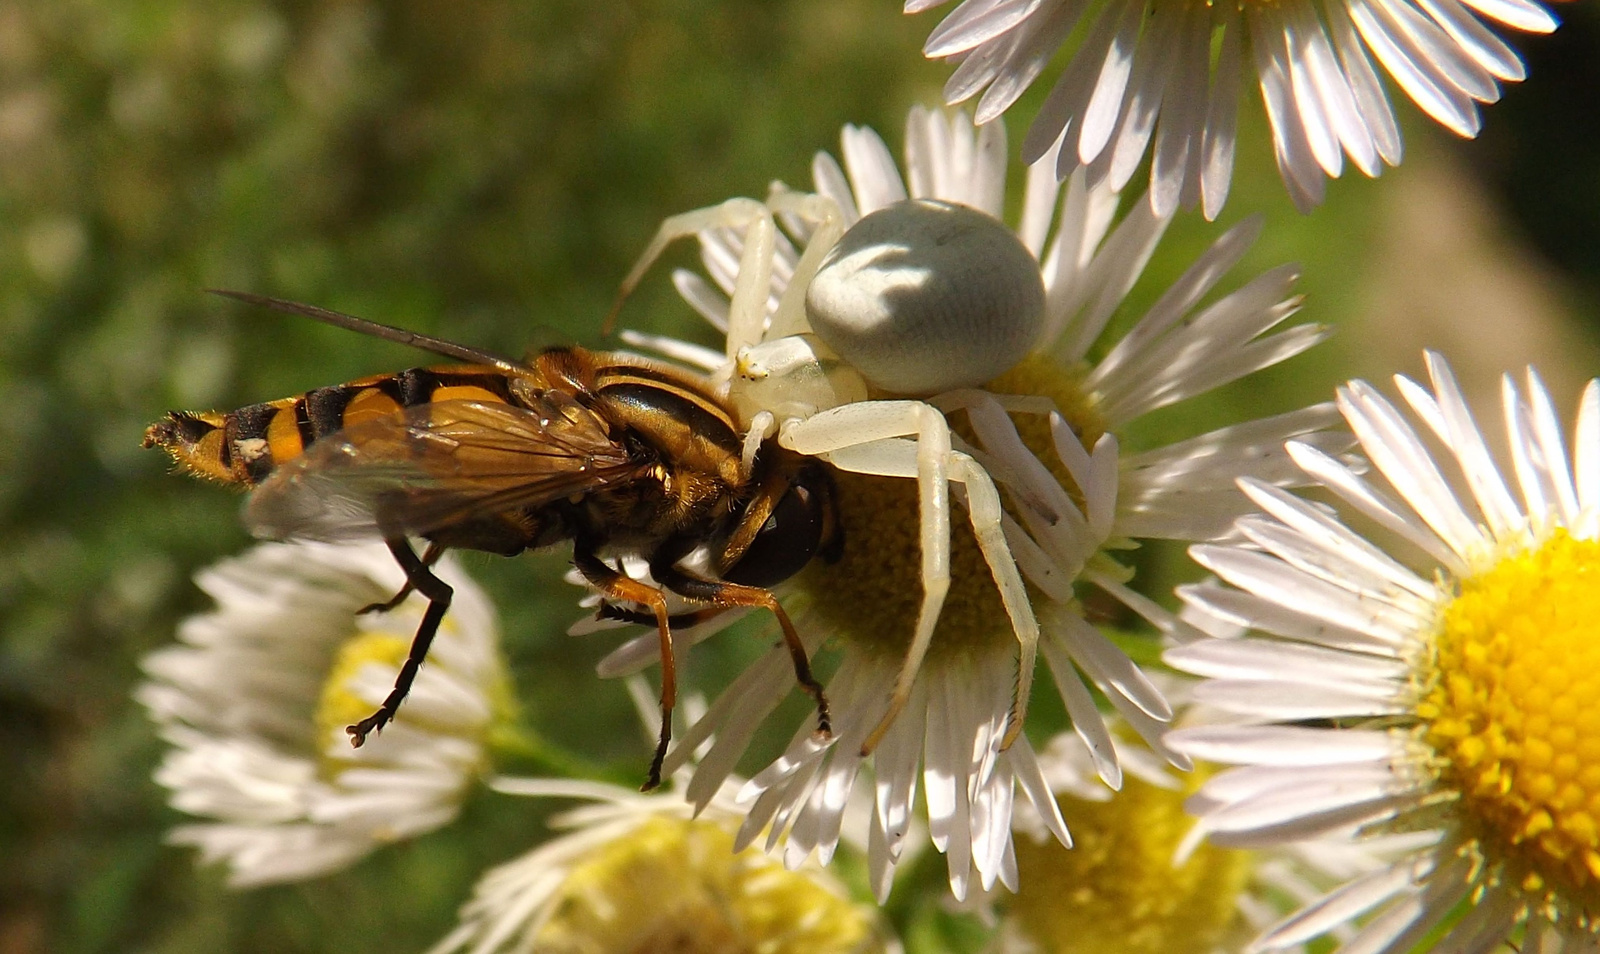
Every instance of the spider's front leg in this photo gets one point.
(747, 310)
(866, 438)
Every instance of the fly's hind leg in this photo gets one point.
(724, 595)
(430, 556)
(615, 585)
(676, 620)
(439, 593)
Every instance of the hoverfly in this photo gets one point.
(618, 454)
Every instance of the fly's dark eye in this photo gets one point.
(799, 527)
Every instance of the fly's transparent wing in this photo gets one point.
(435, 465)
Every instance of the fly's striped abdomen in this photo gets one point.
(246, 445)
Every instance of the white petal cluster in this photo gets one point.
(285, 799)
(1160, 78)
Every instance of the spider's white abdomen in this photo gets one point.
(925, 296)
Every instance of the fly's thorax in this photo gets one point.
(639, 515)
(677, 416)
(792, 377)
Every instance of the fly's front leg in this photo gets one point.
(439, 593)
(430, 556)
(724, 595)
(615, 585)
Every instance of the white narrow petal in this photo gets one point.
(1370, 98)
(874, 177)
(1152, 65)
(1310, 100)
(1525, 15)
(1105, 104)
(1286, 701)
(1445, 103)
(1339, 568)
(1111, 668)
(1284, 745)
(1466, 441)
(1397, 452)
(1370, 501)
(1031, 778)
(1264, 659)
(1332, 535)
(1179, 298)
(1087, 721)
(1296, 163)
(1403, 925)
(976, 22)
(1479, 42)
(1333, 87)
(1435, 51)
(1221, 124)
(1586, 448)
(1343, 905)
(1108, 279)
(1021, 56)
(1552, 450)
(1179, 133)
(1276, 610)
(986, 181)
(830, 181)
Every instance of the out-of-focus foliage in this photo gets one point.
(482, 171)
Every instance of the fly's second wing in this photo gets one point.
(434, 465)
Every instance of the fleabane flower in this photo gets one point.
(1135, 881)
(255, 699)
(1044, 427)
(1161, 78)
(1436, 679)
(634, 872)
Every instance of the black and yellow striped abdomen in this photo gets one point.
(246, 445)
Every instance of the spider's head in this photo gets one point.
(792, 377)
(923, 296)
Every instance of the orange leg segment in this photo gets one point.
(618, 586)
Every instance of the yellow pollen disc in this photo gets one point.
(1117, 892)
(676, 885)
(1511, 709)
(872, 595)
(340, 707)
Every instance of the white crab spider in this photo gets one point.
(918, 298)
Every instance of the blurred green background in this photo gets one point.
(487, 172)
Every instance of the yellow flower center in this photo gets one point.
(1511, 709)
(1117, 891)
(676, 885)
(872, 594)
(338, 706)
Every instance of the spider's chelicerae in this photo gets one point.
(915, 305)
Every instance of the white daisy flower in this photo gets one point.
(255, 699)
(634, 872)
(1441, 683)
(1158, 78)
(1137, 882)
(1044, 426)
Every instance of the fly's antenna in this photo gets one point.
(362, 326)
